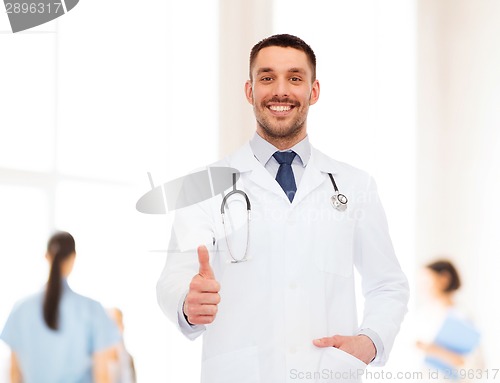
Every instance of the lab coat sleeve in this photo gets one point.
(192, 228)
(384, 284)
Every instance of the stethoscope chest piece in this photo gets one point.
(339, 202)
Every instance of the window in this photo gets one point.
(90, 103)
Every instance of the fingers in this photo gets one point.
(203, 258)
(201, 307)
(359, 346)
(331, 341)
(201, 285)
(202, 298)
(201, 319)
(194, 309)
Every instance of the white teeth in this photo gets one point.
(280, 108)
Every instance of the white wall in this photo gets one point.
(241, 25)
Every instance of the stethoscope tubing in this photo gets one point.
(339, 202)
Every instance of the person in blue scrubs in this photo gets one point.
(57, 335)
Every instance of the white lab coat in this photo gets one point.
(298, 284)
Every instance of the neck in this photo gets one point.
(282, 143)
(67, 266)
(446, 300)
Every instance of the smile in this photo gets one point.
(280, 108)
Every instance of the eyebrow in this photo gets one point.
(264, 70)
(297, 70)
(270, 70)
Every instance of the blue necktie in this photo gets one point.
(285, 173)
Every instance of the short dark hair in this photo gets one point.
(444, 267)
(285, 41)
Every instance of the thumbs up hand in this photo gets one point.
(200, 305)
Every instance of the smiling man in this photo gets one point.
(282, 92)
(275, 301)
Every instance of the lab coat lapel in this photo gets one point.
(311, 179)
(245, 161)
(314, 175)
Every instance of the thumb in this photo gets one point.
(331, 341)
(205, 269)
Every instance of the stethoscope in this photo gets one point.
(338, 201)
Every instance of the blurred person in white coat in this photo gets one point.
(275, 300)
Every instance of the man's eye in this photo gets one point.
(266, 79)
(295, 79)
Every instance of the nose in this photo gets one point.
(281, 88)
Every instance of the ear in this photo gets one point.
(314, 93)
(249, 91)
(444, 279)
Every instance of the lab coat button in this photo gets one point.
(293, 286)
(292, 350)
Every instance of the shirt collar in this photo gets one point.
(65, 284)
(264, 150)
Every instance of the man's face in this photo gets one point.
(281, 91)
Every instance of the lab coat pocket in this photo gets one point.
(336, 243)
(240, 366)
(339, 366)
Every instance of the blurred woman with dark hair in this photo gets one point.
(58, 335)
(443, 282)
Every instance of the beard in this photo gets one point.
(281, 127)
